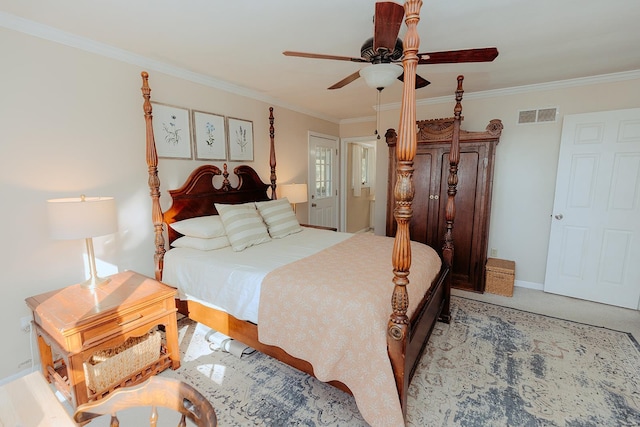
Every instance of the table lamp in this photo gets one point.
(295, 193)
(83, 218)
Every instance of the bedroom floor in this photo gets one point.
(531, 300)
(592, 313)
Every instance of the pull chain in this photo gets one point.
(378, 112)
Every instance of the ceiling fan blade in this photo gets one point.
(486, 54)
(346, 80)
(420, 82)
(321, 56)
(387, 22)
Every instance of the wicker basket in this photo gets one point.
(500, 276)
(110, 366)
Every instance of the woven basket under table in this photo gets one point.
(110, 366)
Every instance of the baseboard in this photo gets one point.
(529, 285)
(17, 375)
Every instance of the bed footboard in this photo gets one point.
(424, 320)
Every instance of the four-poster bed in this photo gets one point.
(415, 306)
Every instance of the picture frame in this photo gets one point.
(172, 131)
(240, 137)
(209, 136)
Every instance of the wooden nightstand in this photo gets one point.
(74, 323)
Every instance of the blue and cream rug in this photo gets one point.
(492, 366)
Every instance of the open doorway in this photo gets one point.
(358, 161)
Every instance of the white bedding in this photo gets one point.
(229, 280)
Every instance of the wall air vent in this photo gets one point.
(543, 115)
(528, 116)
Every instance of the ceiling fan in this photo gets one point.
(386, 48)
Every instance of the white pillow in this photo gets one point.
(204, 227)
(243, 224)
(279, 217)
(201, 244)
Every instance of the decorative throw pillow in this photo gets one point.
(243, 224)
(279, 217)
(204, 227)
(201, 244)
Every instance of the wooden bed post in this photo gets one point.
(272, 155)
(398, 326)
(450, 209)
(154, 181)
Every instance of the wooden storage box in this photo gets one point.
(500, 276)
(111, 366)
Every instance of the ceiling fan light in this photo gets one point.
(379, 76)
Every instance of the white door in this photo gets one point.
(323, 180)
(594, 246)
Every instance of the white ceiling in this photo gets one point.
(239, 43)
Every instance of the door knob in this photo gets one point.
(313, 205)
(559, 216)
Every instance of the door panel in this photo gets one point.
(582, 186)
(323, 180)
(594, 243)
(574, 242)
(466, 228)
(423, 197)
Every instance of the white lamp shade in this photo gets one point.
(379, 76)
(81, 217)
(295, 193)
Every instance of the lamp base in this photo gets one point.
(95, 282)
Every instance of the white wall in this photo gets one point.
(72, 123)
(526, 161)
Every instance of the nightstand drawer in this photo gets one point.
(122, 324)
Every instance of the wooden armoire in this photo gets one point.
(473, 198)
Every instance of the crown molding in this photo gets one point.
(518, 90)
(55, 35)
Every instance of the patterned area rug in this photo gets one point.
(492, 366)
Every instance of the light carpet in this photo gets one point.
(492, 366)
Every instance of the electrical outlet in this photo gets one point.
(25, 323)
(494, 252)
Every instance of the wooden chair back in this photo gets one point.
(154, 392)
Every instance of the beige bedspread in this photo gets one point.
(332, 309)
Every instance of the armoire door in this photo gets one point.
(426, 181)
(470, 228)
(424, 226)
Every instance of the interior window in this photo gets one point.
(364, 169)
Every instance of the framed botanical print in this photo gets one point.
(209, 136)
(172, 131)
(240, 136)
